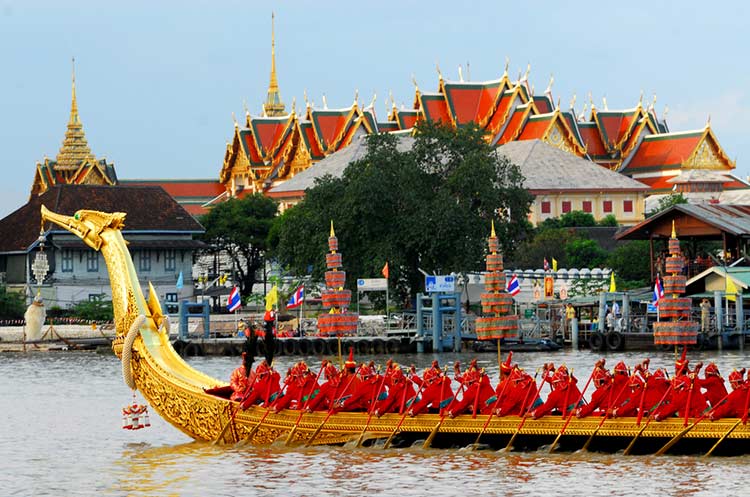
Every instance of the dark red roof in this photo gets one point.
(148, 208)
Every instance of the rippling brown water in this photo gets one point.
(61, 436)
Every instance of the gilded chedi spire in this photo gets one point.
(75, 149)
(273, 106)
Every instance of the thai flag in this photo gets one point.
(297, 298)
(513, 286)
(658, 291)
(234, 302)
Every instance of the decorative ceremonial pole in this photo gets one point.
(497, 301)
(677, 329)
(337, 321)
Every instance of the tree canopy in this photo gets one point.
(240, 228)
(428, 207)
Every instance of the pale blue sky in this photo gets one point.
(157, 82)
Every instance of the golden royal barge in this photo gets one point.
(179, 394)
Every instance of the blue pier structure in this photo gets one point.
(194, 310)
(443, 311)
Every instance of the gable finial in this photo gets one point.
(372, 102)
(304, 95)
(294, 105)
(244, 106)
(468, 71)
(437, 68)
(640, 99)
(507, 63)
(708, 121)
(558, 104)
(356, 96)
(325, 102)
(460, 74)
(528, 71)
(548, 91)
(414, 80)
(573, 101)
(234, 119)
(582, 115)
(664, 114)
(604, 102)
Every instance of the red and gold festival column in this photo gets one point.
(497, 322)
(337, 321)
(678, 329)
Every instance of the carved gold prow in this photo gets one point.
(154, 306)
(87, 225)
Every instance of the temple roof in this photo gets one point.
(75, 149)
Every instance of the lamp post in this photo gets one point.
(40, 266)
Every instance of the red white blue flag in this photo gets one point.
(234, 302)
(513, 287)
(658, 291)
(297, 298)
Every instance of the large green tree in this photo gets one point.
(240, 228)
(427, 206)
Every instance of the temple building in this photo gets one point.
(75, 164)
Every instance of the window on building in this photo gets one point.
(607, 206)
(566, 207)
(92, 261)
(587, 206)
(627, 205)
(67, 261)
(546, 207)
(144, 261)
(170, 259)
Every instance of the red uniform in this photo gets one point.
(735, 405)
(477, 392)
(400, 391)
(264, 386)
(657, 386)
(327, 394)
(631, 401)
(713, 384)
(300, 385)
(435, 388)
(685, 397)
(239, 383)
(564, 395)
(520, 394)
(600, 399)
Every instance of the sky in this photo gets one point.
(157, 83)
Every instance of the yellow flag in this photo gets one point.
(612, 285)
(731, 289)
(554, 264)
(272, 298)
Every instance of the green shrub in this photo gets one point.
(95, 309)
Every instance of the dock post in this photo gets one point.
(602, 312)
(574, 328)
(183, 334)
(437, 324)
(739, 327)
(719, 314)
(626, 312)
(420, 324)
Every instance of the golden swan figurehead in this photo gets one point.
(87, 225)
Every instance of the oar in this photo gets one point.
(494, 406)
(606, 412)
(248, 389)
(330, 411)
(742, 420)
(431, 437)
(525, 410)
(372, 411)
(572, 411)
(403, 417)
(304, 406)
(648, 421)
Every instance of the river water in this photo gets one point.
(61, 436)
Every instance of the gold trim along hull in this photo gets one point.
(176, 391)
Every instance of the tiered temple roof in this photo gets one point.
(75, 163)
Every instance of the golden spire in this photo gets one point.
(273, 105)
(75, 149)
(493, 235)
(674, 233)
(333, 233)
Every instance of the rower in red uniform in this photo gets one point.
(361, 391)
(239, 380)
(435, 390)
(350, 381)
(504, 384)
(520, 395)
(324, 398)
(713, 384)
(686, 396)
(601, 397)
(630, 401)
(657, 385)
(300, 385)
(735, 405)
(564, 394)
(264, 386)
(400, 391)
(478, 394)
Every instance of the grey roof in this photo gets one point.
(699, 175)
(335, 164)
(732, 219)
(546, 167)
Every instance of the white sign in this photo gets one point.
(440, 284)
(372, 284)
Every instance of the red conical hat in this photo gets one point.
(350, 362)
(621, 368)
(505, 367)
(735, 377)
(712, 369)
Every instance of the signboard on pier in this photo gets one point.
(437, 283)
(372, 284)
